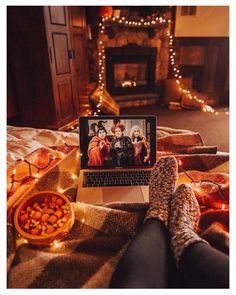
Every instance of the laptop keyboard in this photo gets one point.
(116, 178)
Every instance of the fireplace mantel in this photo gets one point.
(137, 24)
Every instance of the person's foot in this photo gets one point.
(184, 219)
(161, 186)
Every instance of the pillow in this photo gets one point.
(109, 105)
(188, 103)
(172, 92)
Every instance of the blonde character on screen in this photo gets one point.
(141, 146)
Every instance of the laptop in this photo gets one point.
(117, 156)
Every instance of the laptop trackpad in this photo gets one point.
(122, 194)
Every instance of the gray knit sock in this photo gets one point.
(184, 219)
(161, 186)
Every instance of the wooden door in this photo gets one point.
(61, 59)
(78, 40)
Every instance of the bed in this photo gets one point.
(88, 256)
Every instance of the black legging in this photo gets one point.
(202, 266)
(148, 263)
(145, 263)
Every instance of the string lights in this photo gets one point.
(198, 184)
(30, 175)
(122, 21)
(178, 77)
(172, 58)
(34, 176)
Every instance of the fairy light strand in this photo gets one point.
(101, 49)
(198, 183)
(30, 176)
(178, 77)
(172, 58)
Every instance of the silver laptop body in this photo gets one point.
(120, 150)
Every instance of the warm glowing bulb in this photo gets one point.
(56, 244)
(197, 189)
(223, 207)
(180, 162)
(60, 190)
(73, 176)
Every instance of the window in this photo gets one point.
(188, 10)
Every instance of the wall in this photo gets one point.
(209, 21)
(207, 31)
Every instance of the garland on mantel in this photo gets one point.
(156, 21)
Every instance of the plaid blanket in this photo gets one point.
(88, 256)
(177, 141)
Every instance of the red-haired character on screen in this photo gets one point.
(122, 150)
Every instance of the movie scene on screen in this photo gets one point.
(118, 143)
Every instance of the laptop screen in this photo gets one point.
(108, 142)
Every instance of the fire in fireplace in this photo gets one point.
(130, 75)
(130, 69)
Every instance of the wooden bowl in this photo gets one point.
(44, 217)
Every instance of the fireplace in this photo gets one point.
(130, 69)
